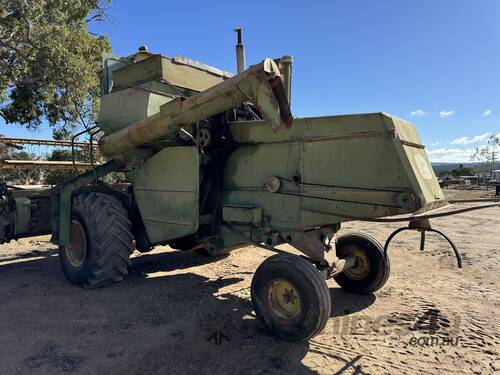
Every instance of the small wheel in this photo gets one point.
(100, 241)
(290, 297)
(372, 267)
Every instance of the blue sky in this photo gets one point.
(434, 63)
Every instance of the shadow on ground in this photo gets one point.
(344, 303)
(151, 323)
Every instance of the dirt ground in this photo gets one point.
(186, 313)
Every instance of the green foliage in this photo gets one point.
(116, 178)
(487, 156)
(49, 62)
(443, 173)
(19, 176)
(55, 177)
(60, 155)
(463, 171)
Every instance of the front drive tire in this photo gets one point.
(101, 241)
(372, 267)
(290, 297)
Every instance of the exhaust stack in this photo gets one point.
(240, 52)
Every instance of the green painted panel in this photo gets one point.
(122, 108)
(237, 214)
(178, 71)
(145, 70)
(417, 165)
(245, 175)
(310, 128)
(353, 166)
(166, 189)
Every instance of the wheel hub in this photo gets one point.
(362, 267)
(77, 248)
(204, 137)
(284, 299)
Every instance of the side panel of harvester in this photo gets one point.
(331, 169)
(166, 188)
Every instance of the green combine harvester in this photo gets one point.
(216, 162)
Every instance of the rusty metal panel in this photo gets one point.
(166, 189)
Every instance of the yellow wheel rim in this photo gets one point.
(362, 267)
(284, 299)
(77, 248)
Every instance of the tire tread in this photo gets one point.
(109, 229)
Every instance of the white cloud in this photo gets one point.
(450, 155)
(418, 113)
(487, 113)
(435, 144)
(466, 140)
(444, 113)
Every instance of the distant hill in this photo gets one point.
(445, 167)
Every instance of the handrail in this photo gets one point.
(73, 145)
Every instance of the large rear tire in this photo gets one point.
(101, 241)
(372, 267)
(290, 297)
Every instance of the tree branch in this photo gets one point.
(3, 115)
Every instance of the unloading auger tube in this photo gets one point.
(261, 84)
